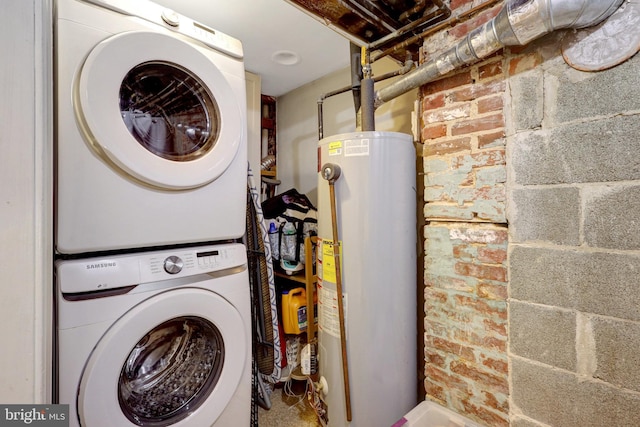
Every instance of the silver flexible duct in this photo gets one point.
(267, 161)
(518, 23)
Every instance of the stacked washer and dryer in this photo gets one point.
(152, 303)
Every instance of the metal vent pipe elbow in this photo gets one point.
(518, 23)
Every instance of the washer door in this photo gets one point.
(158, 109)
(174, 359)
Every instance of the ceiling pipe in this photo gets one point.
(441, 12)
(518, 23)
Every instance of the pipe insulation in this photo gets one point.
(518, 23)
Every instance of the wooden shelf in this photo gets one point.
(294, 277)
(270, 173)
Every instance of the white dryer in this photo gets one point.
(155, 338)
(150, 128)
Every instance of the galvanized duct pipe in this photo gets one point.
(267, 161)
(518, 23)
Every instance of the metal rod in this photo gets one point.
(331, 173)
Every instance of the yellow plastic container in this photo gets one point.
(294, 311)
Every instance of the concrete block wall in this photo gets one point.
(532, 250)
(574, 254)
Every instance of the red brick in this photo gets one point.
(477, 90)
(434, 132)
(493, 292)
(490, 104)
(482, 307)
(485, 342)
(467, 370)
(492, 69)
(434, 322)
(489, 140)
(442, 377)
(524, 63)
(452, 112)
(480, 159)
(500, 366)
(448, 283)
(448, 147)
(435, 295)
(435, 391)
(433, 102)
(435, 359)
(479, 235)
(490, 418)
(447, 83)
(462, 252)
(488, 272)
(479, 124)
(451, 347)
(491, 401)
(496, 256)
(499, 328)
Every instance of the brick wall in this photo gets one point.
(466, 239)
(550, 334)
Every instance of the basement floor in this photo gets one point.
(289, 408)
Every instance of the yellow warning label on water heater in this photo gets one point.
(335, 148)
(328, 262)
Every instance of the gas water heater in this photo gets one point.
(375, 213)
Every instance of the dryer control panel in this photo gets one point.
(167, 18)
(109, 272)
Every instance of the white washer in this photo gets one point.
(155, 338)
(150, 128)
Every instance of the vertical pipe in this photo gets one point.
(320, 121)
(368, 111)
(331, 173)
(356, 74)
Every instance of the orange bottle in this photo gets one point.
(294, 311)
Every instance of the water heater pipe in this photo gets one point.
(517, 24)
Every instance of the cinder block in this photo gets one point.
(611, 218)
(549, 214)
(527, 89)
(581, 95)
(590, 282)
(617, 352)
(543, 334)
(561, 399)
(598, 151)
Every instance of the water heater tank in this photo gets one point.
(376, 218)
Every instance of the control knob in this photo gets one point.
(173, 264)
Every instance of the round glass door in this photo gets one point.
(171, 371)
(160, 110)
(169, 111)
(176, 358)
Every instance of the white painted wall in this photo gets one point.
(254, 119)
(25, 202)
(297, 123)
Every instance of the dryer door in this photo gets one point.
(174, 359)
(159, 109)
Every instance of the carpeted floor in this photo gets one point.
(287, 410)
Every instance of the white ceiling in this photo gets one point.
(266, 27)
